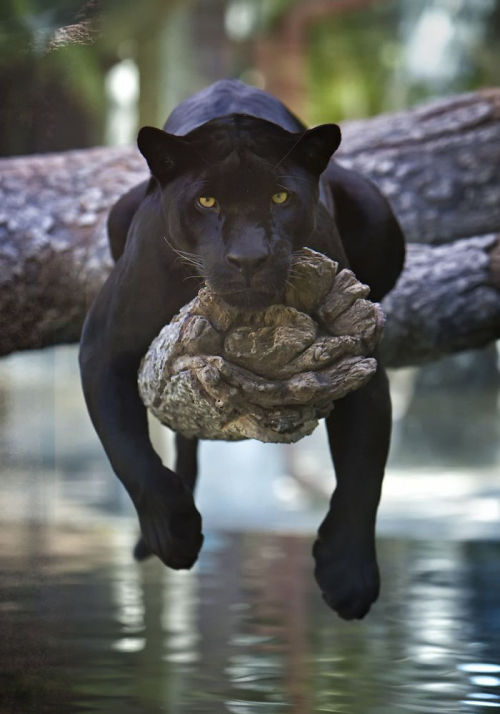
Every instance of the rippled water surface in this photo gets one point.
(246, 631)
(83, 628)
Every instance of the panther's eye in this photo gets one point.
(280, 197)
(207, 201)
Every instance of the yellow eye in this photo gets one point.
(207, 201)
(280, 197)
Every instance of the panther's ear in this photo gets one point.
(314, 147)
(166, 154)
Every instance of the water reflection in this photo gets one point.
(86, 629)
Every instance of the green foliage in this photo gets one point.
(351, 59)
(357, 59)
(362, 62)
(53, 98)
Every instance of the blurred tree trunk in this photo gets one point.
(151, 65)
(437, 164)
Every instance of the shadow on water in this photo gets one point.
(86, 629)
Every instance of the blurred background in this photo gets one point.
(77, 74)
(86, 629)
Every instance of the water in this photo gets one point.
(83, 628)
(87, 630)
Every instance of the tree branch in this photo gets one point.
(446, 300)
(437, 164)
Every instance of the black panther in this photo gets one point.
(237, 185)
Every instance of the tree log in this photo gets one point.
(437, 164)
(446, 300)
(216, 372)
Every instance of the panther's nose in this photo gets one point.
(247, 262)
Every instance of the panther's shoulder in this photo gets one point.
(229, 96)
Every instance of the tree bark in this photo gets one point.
(216, 372)
(54, 254)
(437, 164)
(446, 300)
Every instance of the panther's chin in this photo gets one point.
(249, 299)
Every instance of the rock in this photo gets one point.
(217, 372)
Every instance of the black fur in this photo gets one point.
(241, 146)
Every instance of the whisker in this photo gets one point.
(194, 277)
(191, 260)
(187, 257)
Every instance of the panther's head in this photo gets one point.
(239, 195)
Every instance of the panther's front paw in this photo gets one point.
(171, 525)
(142, 551)
(349, 581)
